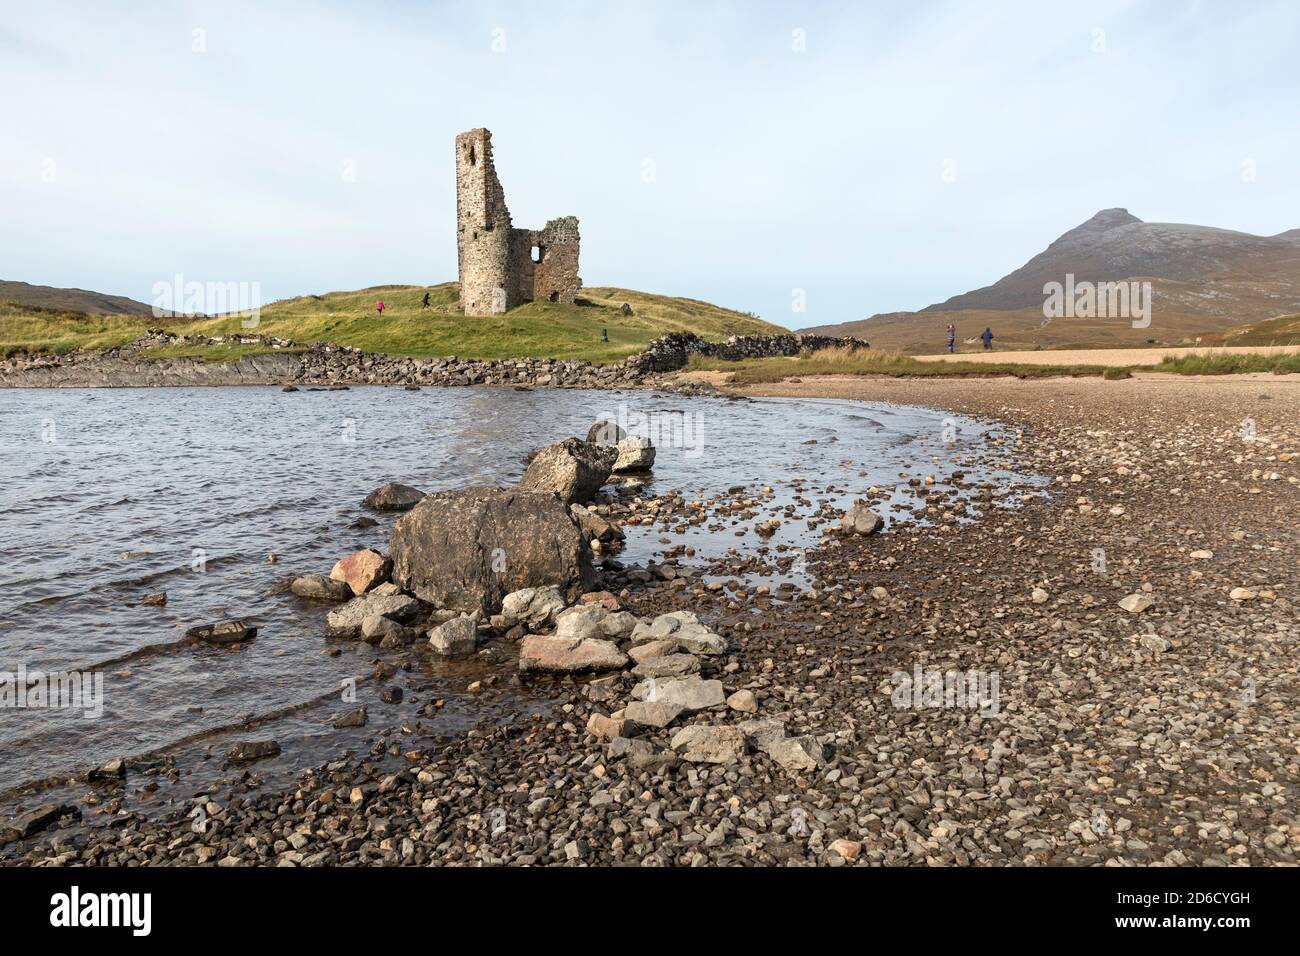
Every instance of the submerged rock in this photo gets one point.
(320, 588)
(226, 632)
(250, 750)
(393, 497)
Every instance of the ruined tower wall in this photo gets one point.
(483, 229)
(500, 266)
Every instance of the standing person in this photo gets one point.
(379, 306)
(424, 303)
(952, 337)
(987, 336)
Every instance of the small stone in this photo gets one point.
(849, 850)
(1136, 603)
(455, 638)
(743, 701)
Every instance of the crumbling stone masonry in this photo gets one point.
(500, 266)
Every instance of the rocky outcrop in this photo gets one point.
(573, 469)
(466, 550)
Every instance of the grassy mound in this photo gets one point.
(540, 329)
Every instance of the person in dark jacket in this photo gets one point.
(424, 303)
(987, 337)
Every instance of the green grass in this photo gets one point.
(1279, 330)
(540, 329)
(844, 361)
(841, 361)
(1228, 364)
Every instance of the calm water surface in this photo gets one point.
(109, 495)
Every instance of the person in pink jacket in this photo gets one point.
(379, 306)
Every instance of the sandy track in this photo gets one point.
(1108, 357)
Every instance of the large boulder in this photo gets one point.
(634, 454)
(362, 570)
(393, 497)
(466, 550)
(690, 693)
(573, 469)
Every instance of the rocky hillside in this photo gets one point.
(1205, 281)
(70, 300)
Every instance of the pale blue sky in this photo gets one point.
(127, 157)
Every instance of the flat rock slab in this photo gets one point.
(701, 743)
(690, 693)
(796, 753)
(559, 655)
(671, 665)
(652, 713)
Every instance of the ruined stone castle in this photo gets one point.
(500, 266)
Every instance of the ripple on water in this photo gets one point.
(189, 489)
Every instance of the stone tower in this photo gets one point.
(501, 267)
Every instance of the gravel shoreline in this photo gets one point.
(1166, 734)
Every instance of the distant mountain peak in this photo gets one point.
(1109, 219)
